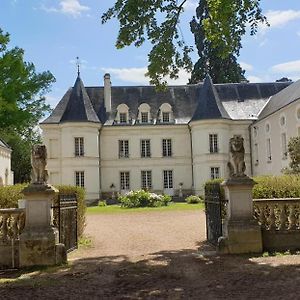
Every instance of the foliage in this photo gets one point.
(193, 199)
(143, 198)
(285, 186)
(9, 195)
(102, 203)
(211, 60)
(158, 22)
(294, 153)
(81, 209)
(21, 88)
(210, 184)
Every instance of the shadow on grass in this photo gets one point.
(185, 274)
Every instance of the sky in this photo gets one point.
(54, 32)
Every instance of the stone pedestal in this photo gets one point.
(39, 243)
(242, 234)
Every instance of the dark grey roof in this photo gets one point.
(209, 105)
(281, 99)
(75, 106)
(231, 100)
(4, 144)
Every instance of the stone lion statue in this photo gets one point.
(38, 163)
(236, 163)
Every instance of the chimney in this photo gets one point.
(107, 92)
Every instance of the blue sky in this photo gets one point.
(54, 32)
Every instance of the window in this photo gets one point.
(167, 147)
(146, 177)
(269, 154)
(79, 178)
(79, 146)
(283, 145)
(213, 143)
(282, 120)
(166, 117)
(267, 127)
(123, 118)
(144, 117)
(168, 179)
(124, 181)
(214, 173)
(298, 113)
(145, 148)
(123, 148)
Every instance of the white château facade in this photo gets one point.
(6, 175)
(114, 139)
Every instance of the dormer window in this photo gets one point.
(123, 118)
(144, 117)
(166, 117)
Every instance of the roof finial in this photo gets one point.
(78, 66)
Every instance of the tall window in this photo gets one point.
(269, 153)
(79, 178)
(168, 179)
(123, 118)
(214, 173)
(123, 148)
(166, 117)
(167, 147)
(124, 181)
(284, 145)
(144, 117)
(79, 146)
(146, 177)
(213, 143)
(145, 148)
(256, 154)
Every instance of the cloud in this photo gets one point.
(68, 7)
(287, 68)
(191, 5)
(255, 79)
(137, 76)
(246, 66)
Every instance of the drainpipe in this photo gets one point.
(99, 167)
(250, 144)
(192, 158)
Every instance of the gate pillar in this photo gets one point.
(242, 234)
(39, 243)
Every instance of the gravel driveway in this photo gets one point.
(155, 255)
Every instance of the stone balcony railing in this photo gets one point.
(12, 222)
(280, 223)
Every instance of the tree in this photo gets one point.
(158, 21)
(22, 89)
(221, 69)
(22, 104)
(294, 153)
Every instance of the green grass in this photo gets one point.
(111, 209)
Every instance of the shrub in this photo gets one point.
(285, 186)
(9, 195)
(102, 203)
(193, 199)
(143, 198)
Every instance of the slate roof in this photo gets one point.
(209, 104)
(204, 100)
(281, 99)
(4, 144)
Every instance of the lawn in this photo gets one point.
(111, 209)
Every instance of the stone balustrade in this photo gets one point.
(280, 223)
(12, 222)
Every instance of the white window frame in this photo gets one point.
(167, 147)
(146, 179)
(79, 146)
(79, 179)
(256, 160)
(124, 180)
(123, 117)
(166, 117)
(145, 148)
(213, 143)
(168, 179)
(214, 172)
(284, 147)
(144, 117)
(269, 150)
(123, 149)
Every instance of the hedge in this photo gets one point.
(9, 196)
